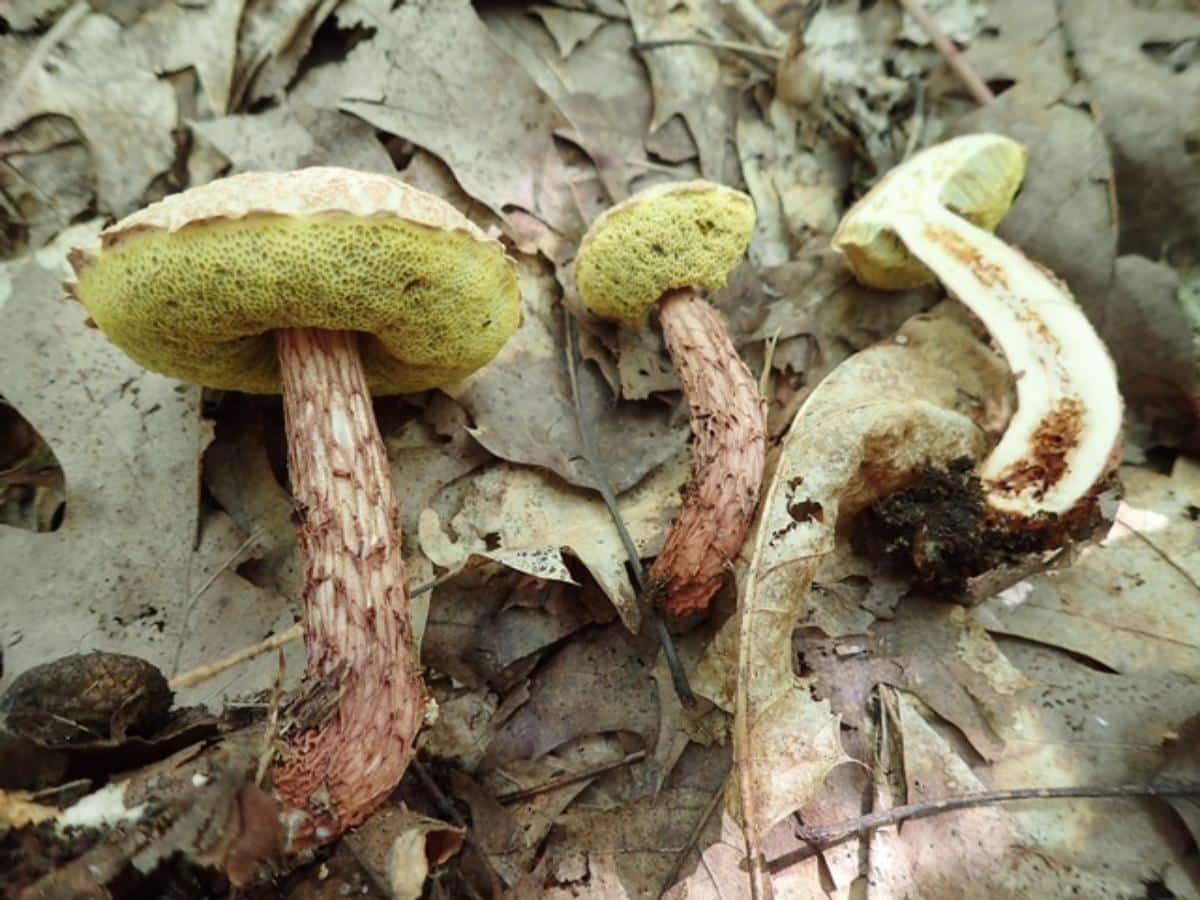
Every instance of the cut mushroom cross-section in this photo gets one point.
(655, 249)
(324, 285)
(931, 218)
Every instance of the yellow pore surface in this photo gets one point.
(673, 236)
(200, 303)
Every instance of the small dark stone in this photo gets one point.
(86, 698)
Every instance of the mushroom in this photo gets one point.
(656, 249)
(324, 284)
(931, 218)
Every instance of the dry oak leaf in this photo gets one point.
(420, 76)
(1129, 603)
(124, 571)
(98, 75)
(863, 432)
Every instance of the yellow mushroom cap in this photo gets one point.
(975, 176)
(193, 286)
(688, 234)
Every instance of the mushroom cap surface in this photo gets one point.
(676, 235)
(975, 176)
(193, 286)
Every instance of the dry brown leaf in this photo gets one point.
(420, 77)
(524, 519)
(687, 81)
(907, 402)
(178, 36)
(523, 411)
(1149, 104)
(46, 181)
(594, 685)
(1128, 603)
(978, 853)
(100, 76)
(272, 41)
(570, 27)
(601, 87)
(124, 571)
(292, 136)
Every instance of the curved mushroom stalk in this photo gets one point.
(729, 450)
(356, 602)
(1068, 420)
(921, 222)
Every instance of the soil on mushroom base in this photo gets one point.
(940, 532)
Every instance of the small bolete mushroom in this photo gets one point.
(658, 247)
(930, 218)
(326, 285)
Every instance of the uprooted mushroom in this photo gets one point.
(654, 250)
(929, 219)
(326, 285)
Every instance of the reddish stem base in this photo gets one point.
(356, 620)
(728, 417)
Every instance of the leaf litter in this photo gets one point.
(146, 517)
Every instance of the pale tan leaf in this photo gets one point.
(860, 435)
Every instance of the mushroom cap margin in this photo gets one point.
(193, 286)
(671, 236)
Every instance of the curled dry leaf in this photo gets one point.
(912, 401)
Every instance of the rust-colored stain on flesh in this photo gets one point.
(1058, 434)
(988, 273)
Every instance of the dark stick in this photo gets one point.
(823, 836)
(654, 617)
(694, 836)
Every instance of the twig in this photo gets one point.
(975, 85)
(203, 673)
(733, 46)
(447, 809)
(821, 837)
(591, 455)
(199, 592)
(694, 835)
(571, 778)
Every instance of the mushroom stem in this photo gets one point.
(356, 615)
(1066, 382)
(728, 454)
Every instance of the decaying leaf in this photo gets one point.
(523, 410)
(419, 76)
(125, 562)
(525, 519)
(910, 401)
(1128, 603)
(101, 77)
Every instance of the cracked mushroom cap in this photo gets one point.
(975, 176)
(680, 235)
(193, 286)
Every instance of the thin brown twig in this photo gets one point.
(694, 835)
(822, 837)
(208, 670)
(732, 46)
(592, 456)
(448, 810)
(975, 85)
(571, 778)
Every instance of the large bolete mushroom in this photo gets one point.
(324, 284)
(654, 250)
(930, 218)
